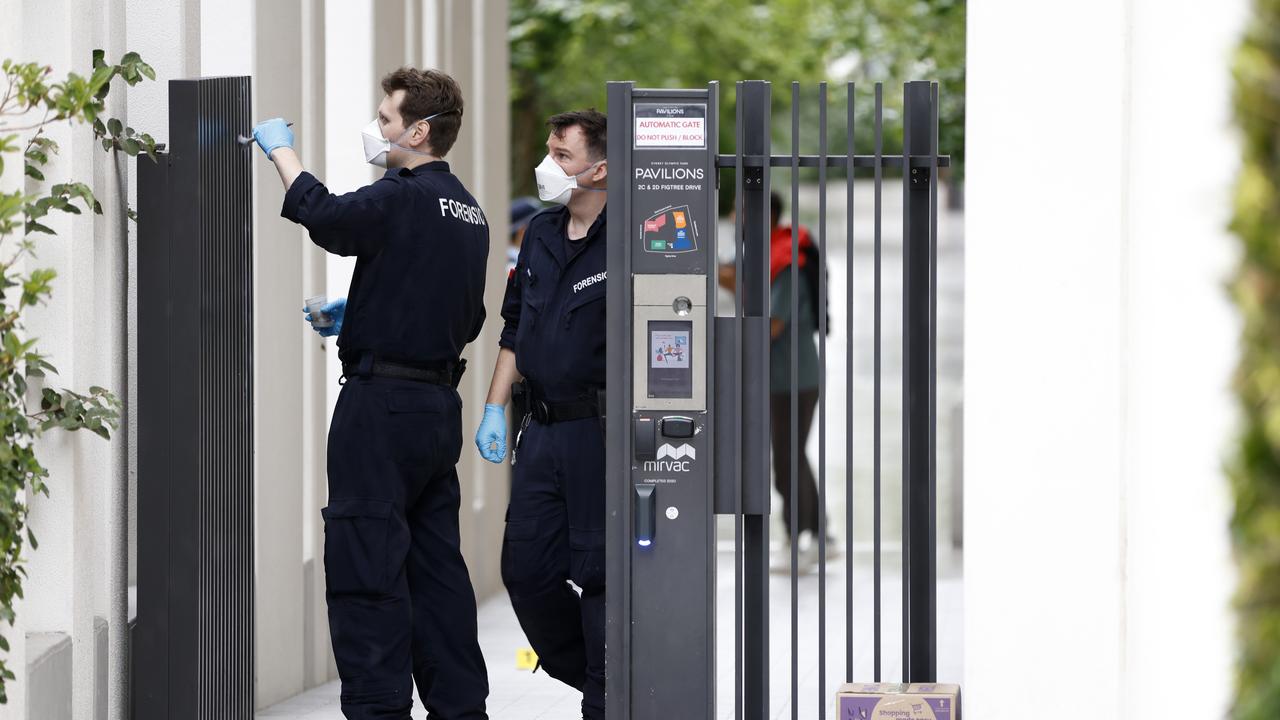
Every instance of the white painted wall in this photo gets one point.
(348, 33)
(280, 343)
(1099, 348)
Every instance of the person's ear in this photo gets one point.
(420, 139)
(601, 172)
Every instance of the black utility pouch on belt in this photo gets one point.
(458, 370)
(519, 401)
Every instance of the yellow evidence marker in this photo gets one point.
(526, 659)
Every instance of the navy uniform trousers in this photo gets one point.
(555, 534)
(401, 606)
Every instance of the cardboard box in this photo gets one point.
(884, 701)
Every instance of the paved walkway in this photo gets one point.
(521, 695)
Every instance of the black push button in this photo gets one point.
(674, 426)
(646, 440)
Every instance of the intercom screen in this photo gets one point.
(670, 359)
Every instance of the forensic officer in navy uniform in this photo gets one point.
(553, 340)
(401, 605)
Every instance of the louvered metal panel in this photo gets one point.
(193, 641)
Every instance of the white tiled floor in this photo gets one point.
(514, 694)
(521, 695)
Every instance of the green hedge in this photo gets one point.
(1254, 470)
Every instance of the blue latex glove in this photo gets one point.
(491, 438)
(335, 309)
(272, 134)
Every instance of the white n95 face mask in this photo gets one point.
(554, 184)
(377, 147)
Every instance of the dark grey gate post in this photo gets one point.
(754, 139)
(192, 651)
(919, 518)
(660, 523)
(617, 425)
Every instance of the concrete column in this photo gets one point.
(1180, 353)
(1099, 349)
(348, 47)
(316, 652)
(280, 366)
(77, 330)
(458, 58)
(391, 39)
(116, 313)
(487, 132)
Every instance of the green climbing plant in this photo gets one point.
(34, 100)
(1254, 470)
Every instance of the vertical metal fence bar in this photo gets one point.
(761, 521)
(933, 370)
(848, 401)
(879, 176)
(795, 399)
(618, 531)
(756, 143)
(738, 249)
(919, 550)
(822, 400)
(908, 300)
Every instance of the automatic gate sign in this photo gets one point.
(670, 125)
(669, 182)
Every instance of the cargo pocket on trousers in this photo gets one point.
(356, 557)
(517, 566)
(586, 552)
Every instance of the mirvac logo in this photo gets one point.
(677, 459)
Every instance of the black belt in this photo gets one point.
(547, 412)
(449, 374)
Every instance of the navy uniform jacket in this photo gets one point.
(554, 310)
(420, 243)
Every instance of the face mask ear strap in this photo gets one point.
(590, 168)
(406, 148)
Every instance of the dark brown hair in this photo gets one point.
(594, 126)
(427, 92)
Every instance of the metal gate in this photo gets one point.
(710, 408)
